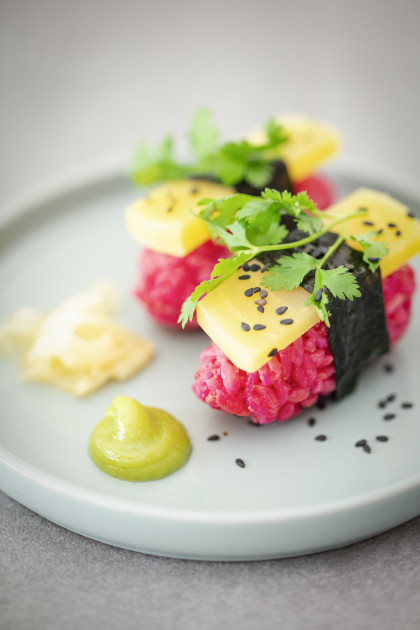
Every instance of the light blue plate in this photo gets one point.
(295, 495)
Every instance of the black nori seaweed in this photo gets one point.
(358, 332)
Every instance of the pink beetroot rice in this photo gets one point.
(166, 281)
(298, 375)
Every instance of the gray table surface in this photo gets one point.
(53, 578)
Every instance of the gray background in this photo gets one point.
(80, 84)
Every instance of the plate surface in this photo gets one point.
(295, 495)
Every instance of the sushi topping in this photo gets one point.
(278, 225)
(230, 163)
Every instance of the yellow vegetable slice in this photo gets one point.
(400, 230)
(222, 312)
(311, 143)
(163, 220)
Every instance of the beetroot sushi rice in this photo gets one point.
(166, 281)
(298, 375)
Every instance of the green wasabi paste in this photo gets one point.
(137, 443)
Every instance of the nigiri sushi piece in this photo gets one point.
(276, 347)
(178, 252)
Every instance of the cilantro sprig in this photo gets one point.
(229, 162)
(250, 226)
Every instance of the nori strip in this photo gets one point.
(358, 332)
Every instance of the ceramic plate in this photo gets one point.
(295, 494)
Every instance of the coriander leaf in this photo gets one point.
(289, 272)
(222, 211)
(224, 268)
(340, 282)
(258, 173)
(276, 134)
(275, 234)
(203, 134)
(308, 223)
(147, 169)
(255, 212)
(235, 237)
(373, 251)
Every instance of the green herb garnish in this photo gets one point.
(230, 163)
(250, 226)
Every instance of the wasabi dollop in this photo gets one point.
(138, 443)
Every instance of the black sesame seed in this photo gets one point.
(374, 258)
(411, 215)
(281, 309)
(260, 302)
(318, 295)
(311, 422)
(245, 267)
(382, 404)
(389, 416)
(390, 398)
(321, 438)
(254, 267)
(273, 352)
(245, 326)
(249, 292)
(321, 404)
(213, 438)
(260, 308)
(256, 289)
(366, 448)
(263, 293)
(368, 223)
(240, 462)
(380, 231)
(259, 327)
(407, 405)
(244, 277)
(194, 191)
(286, 322)
(392, 225)
(388, 368)
(382, 438)
(398, 233)
(361, 443)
